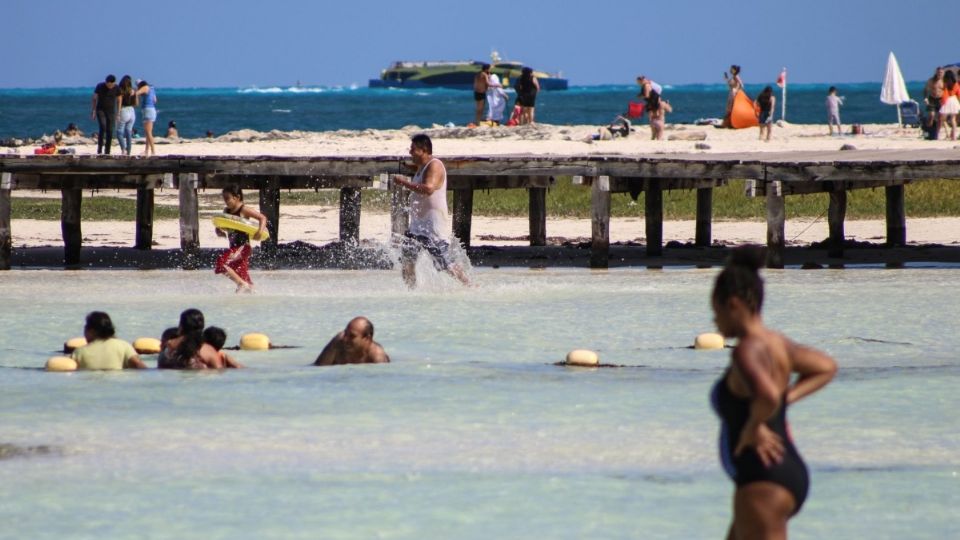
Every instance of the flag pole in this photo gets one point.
(783, 98)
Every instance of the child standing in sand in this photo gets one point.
(236, 260)
(833, 110)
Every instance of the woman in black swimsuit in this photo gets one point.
(752, 398)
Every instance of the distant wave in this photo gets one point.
(281, 110)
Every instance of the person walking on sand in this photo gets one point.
(766, 102)
(751, 398)
(734, 86)
(932, 94)
(235, 261)
(103, 109)
(833, 110)
(950, 103)
(428, 213)
(527, 88)
(128, 115)
(148, 109)
(480, 83)
(353, 345)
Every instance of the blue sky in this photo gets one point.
(204, 43)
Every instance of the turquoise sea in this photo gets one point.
(33, 112)
(470, 432)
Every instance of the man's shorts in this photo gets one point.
(479, 96)
(413, 244)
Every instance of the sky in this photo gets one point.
(243, 43)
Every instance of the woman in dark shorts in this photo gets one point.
(527, 88)
(751, 398)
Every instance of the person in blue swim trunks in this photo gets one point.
(751, 399)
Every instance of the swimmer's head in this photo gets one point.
(358, 333)
(191, 320)
(98, 326)
(738, 290)
(215, 337)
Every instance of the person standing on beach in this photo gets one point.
(950, 103)
(353, 345)
(428, 213)
(735, 85)
(932, 93)
(148, 109)
(833, 110)
(103, 109)
(128, 114)
(496, 100)
(751, 399)
(235, 261)
(766, 102)
(527, 88)
(480, 83)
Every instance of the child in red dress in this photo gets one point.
(236, 260)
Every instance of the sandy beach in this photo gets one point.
(319, 225)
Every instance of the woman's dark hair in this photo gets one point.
(949, 79)
(191, 330)
(126, 84)
(215, 337)
(765, 95)
(735, 69)
(740, 278)
(234, 189)
(831, 90)
(100, 325)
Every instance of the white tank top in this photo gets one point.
(428, 213)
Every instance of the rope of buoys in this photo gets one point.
(708, 341)
(582, 357)
(146, 345)
(74, 343)
(254, 342)
(61, 363)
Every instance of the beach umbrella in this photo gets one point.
(894, 91)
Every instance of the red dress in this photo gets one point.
(237, 257)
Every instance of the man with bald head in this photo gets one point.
(354, 345)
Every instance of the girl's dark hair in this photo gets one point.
(191, 329)
(100, 325)
(740, 278)
(735, 69)
(765, 95)
(949, 79)
(234, 189)
(215, 337)
(141, 84)
(126, 84)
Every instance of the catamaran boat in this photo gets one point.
(458, 75)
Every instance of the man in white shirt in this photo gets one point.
(428, 213)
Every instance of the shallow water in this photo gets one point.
(470, 432)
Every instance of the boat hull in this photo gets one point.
(545, 84)
(457, 76)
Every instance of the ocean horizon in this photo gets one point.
(34, 112)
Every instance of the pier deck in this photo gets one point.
(774, 175)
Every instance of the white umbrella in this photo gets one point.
(894, 91)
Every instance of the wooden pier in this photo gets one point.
(774, 176)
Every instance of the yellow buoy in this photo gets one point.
(74, 343)
(61, 363)
(582, 357)
(708, 341)
(147, 345)
(254, 342)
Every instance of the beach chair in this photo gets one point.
(909, 114)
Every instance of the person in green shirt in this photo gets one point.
(104, 351)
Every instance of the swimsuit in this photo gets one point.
(791, 473)
(239, 241)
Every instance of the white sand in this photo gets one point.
(319, 225)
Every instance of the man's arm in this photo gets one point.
(432, 180)
(328, 356)
(378, 355)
